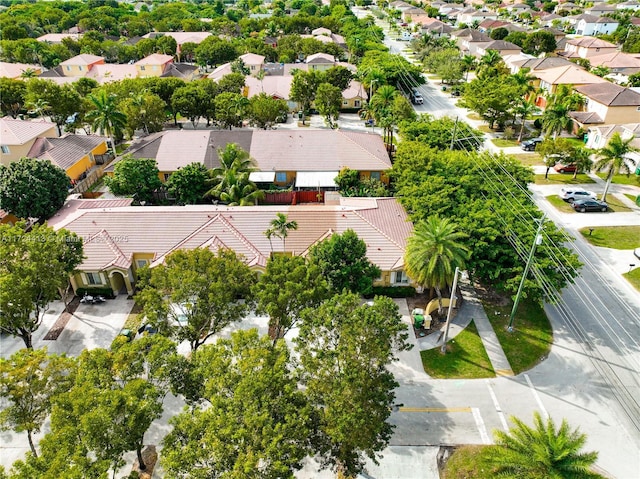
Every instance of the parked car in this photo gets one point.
(530, 145)
(561, 168)
(589, 205)
(455, 92)
(574, 194)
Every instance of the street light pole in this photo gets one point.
(443, 348)
(536, 242)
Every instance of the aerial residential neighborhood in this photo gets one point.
(316, 239)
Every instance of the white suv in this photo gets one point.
(572, 194)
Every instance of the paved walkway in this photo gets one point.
(471, 309)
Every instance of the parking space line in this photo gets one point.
(545, 414)
(480, 425)
(434, 409)
(503, 421)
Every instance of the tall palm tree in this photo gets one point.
(105, 117)
(542, 451)
(433, 252)
(280, 227)
(555, 119)
(468, 64)
(236, 189)
(524, 109)
(613, 159)
(382, 106)
(38, 107)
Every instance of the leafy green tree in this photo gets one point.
(34, 266)
(197, 293)
(493, 97)
(556, 119)
(265, 111)
(231, 83)
(33, 188)
(582, 159)
(231, 109)
(328, 102)
(144, 111)
(253, 420)
(137, 177)
(106, 117)
(613, 158)
(539, 42)
(194, 101)
(280, 227)
(214, 51)
(12, 98)
(542, 451)
(289, 285)
(394, 69)
(433, 253)
(554, 151)
(339, 76)
(29, 380)
(304, 88)
(164, 88)
(446, 63)
(345, 348)
(63, 100)
(524, 109)
(189, 184)
(499, 33)
(343, 261)
(438, 133)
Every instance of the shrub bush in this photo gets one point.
(106, 292)
(392, 292)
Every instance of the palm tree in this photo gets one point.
(240, 191)
(524, 80)
(613, 159)
(232, 158)
(38, 107)
(542, 451)
(105, 117)
(582, 159)
(468, 64)
(523, 110)
(433, 252)
(555, 119)
(280, 227)
(382, 106)
(491, 58)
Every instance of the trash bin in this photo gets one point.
(300, 115)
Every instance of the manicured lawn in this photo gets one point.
(528, 159)
(502, 143)
(631, 197)
(560, 204)
(468, 462)
(474, 116)
(485, 129)
(531, 339)
(622, 179)
(558, 178)
(616, 237)
(634, 278)
(466, 358)
(616, 206)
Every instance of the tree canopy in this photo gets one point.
(137, 177)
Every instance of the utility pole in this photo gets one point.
(537, 240)
(443, 348)
(453, 137)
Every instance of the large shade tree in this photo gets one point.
(613, 158)
(34, 267)
(196, 293)
(137, 177)
(345, 348)
(542, 451)
(433, 253)
(33, 188)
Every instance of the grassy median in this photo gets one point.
(616, 237)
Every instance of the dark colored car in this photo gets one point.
(589, 205)
(530, 145)
(560, 168)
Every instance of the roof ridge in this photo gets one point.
(356, 212)
(240, 236)
(345, 134)
(115, 249)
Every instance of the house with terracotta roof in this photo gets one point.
(17, 70)
(607, 103)
(253, 62)
(587, 47)
(18, 136)
(301, 159)
(548, 80)
(118, 239)
(75, 154)
(80, 65)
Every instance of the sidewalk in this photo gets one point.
(471, 309)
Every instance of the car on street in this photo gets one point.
(574, 194)
(416, 97)
(589, 205)
(530, 145)
(562, 168)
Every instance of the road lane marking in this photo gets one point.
(434, 409)
(545, 414)
(498, 408)
(480, 425)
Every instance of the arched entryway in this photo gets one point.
(120, 283)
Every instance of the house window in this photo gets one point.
(141, 263)
(142, 67)
(166, 176)
(345, 102)
(401, 278)
(68, 68)
(5, 149)
(375, 175)
(94, 278)
(281, 177)
(356, 103)
(253, 67)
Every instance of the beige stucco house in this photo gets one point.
(18, 136)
